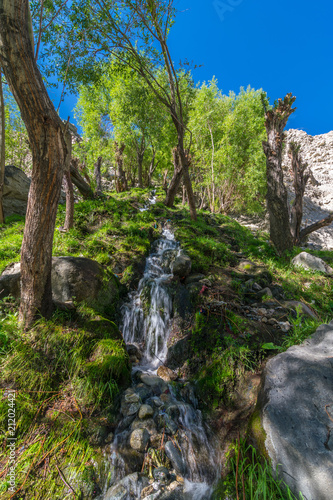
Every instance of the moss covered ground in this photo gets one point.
(68, 371)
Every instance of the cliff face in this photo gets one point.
(317, 151)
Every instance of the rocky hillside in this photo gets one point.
(317, 151)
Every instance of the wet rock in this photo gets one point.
(134, 350)
(148, 424)
(156, 440)
(156, 383)
(166, 422)
(130, 403)
(161, 474)
(182, 265)
(296, 387)
(157, 401)
(143, 391)
(146, 411)
(175, 458)
(178, 353)
(311, 263)
(128, 487)
(166, 374)
(139, 439)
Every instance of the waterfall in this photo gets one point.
(173, 419)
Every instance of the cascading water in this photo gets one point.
(152, 328)
(173, 417)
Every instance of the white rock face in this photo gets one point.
(317, 151)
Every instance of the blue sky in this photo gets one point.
(280, 46)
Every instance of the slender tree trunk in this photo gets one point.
(2, 149)
(277, 202)
(121, 181)
(212, 207)
(165, 183)
(176, 179)
(152, 168)
(140, 156)
(69, 220)
(98, 177)
(48, 146)
(79, 182)
(184, 160)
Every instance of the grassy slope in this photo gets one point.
(79, 357)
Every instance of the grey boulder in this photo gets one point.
(15, 192)
(296, 388)
(73, 278)
(311, 263)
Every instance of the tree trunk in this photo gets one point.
(2, 149)
(121, 181)
(152, 168)
(176, 179)
(185, 162)
(48, 146)
(277, 203)
(212, 207)
(69, 220)
(98, 178)
(79, 182)
(299, 182)
(140, 156)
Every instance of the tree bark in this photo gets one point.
(48, 146)
(79, 182)
(2, 148)
(176, 179)
(277, 203)
(69, 220)
(300, 180)
(185, 162)
(98, 178)
(121, 181)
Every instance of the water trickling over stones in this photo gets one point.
(162, 449)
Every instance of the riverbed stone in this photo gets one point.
(175, 458)
(166, 374)
(311, 263)
(146, 411)
(161, 474)
(128, 487)
(130, 403)
(139, 439)
(156, 383)
(297, 386)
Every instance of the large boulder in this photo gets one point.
(296, 388)
(15, 192)
(311, 263)
(73, 278)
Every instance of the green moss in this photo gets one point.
(258, 433)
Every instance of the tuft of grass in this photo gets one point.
(251, 477)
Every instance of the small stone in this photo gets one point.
(139, 439)
(161, 474)
(272, 321)
(264, 320)
(109, 438)
(285, 326)
(166, 374)
(146, 411)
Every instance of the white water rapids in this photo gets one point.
(146, 323)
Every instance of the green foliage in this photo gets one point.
(253, 476)
(230, 163)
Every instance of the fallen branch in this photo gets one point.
(317, 225)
